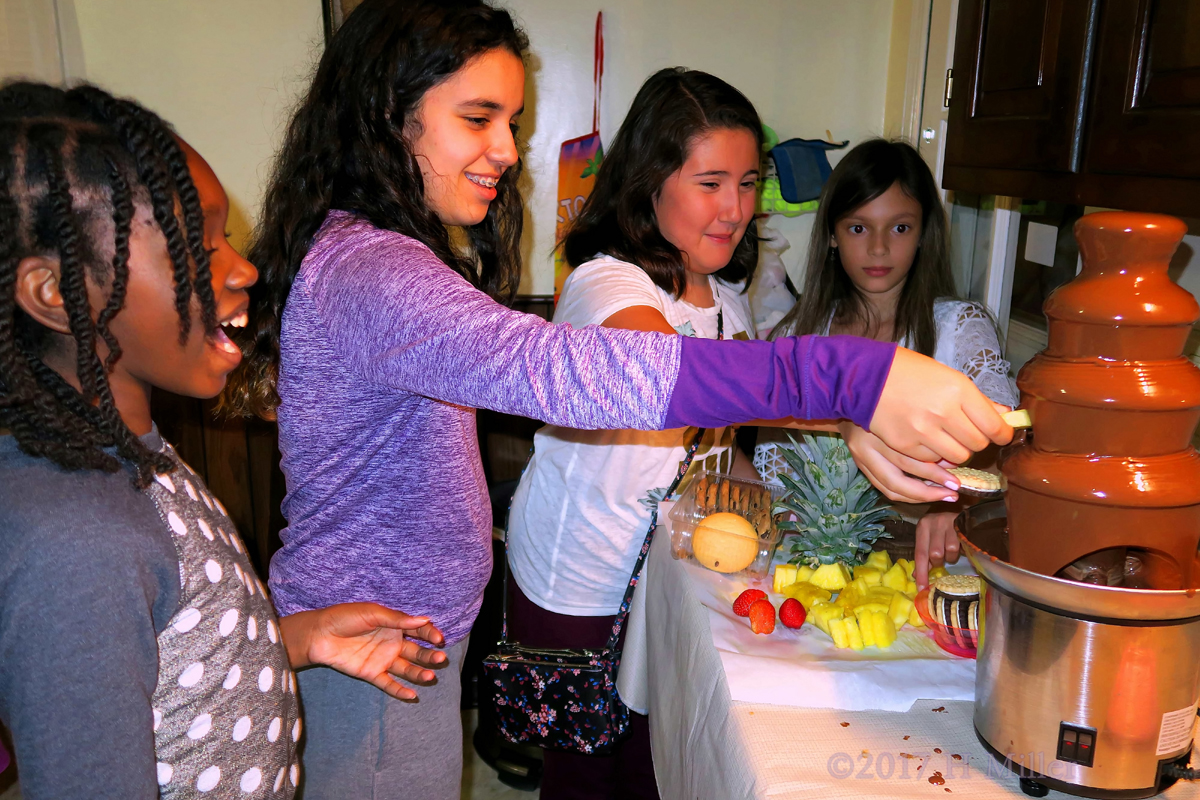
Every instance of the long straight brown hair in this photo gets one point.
(867, 171)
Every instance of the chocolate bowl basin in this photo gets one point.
(982, 531)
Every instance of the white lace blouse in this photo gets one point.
(967, 342)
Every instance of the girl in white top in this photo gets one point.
(662, 244)
(878, 266)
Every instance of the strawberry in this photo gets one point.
(762, 616)
(791, 613)
(741, 606)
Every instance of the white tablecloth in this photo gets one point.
(707, 746)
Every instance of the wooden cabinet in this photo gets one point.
(1092, 102)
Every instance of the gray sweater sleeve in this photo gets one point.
(88, 576)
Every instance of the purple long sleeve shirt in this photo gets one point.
(386, 354)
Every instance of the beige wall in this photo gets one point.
(808, 66)
(225, 73)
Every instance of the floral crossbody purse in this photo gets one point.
(567, 699)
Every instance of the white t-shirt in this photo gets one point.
(576, 526)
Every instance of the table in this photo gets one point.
(709, 747)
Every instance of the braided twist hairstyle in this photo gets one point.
(74, 165)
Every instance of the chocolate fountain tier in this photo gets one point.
(1114, 407)
(1123, 305)
(1119, 408)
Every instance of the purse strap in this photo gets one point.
(623, 613)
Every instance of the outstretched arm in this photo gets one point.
(365, 641)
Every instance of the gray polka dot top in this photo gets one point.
(226, 721)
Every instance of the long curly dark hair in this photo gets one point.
(347, 147)
(866, 172)
(673, 107)
(73, 167)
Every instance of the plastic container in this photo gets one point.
(749, 499)
(954, 640)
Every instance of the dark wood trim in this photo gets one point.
(1161, 195)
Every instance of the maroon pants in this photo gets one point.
(626, 774)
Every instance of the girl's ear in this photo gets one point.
(37, 293)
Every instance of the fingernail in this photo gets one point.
(951, 484)
(949, 498)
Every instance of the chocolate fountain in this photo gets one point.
(1089, 656)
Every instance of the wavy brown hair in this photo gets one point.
(866, 172)
(347, 147)
(673, 108)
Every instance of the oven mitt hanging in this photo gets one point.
(803, 167)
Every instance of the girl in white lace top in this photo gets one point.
(879, 267)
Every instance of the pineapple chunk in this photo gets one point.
(911, 589)
(937, 572)
(837, 630)
(785, 575)
(872, 575)
(880, 560)
(807, 594)
(822, 612)
(909, 566)
(883, 630)
(853, 633)
(885, 593)
(896, 578)
(914, 618)
(866, 628)
(833, 577)
(870, 608)
(900, 609)
(804, 573)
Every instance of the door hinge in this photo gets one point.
(949, 88)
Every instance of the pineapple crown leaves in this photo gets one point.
(836, 508)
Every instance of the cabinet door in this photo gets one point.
(1019, 83)
(1145, 117)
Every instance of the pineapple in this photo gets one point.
(914, 618)
(910, 588)
(900, 609)
(785, 575)
(804, 573)
(883, 630)
(896, 578)
(937, 572)
(846, 633)
(909, 566)
(833, 577)
(822, 612)
(836, 508)
(880, 560)
(872, 575)
(807, 594)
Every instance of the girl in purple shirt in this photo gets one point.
(376, 335)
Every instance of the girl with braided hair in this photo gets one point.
(140, 656)
(376, 332)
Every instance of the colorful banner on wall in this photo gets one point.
(578, 161)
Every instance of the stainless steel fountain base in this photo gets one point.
(1091, 690)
